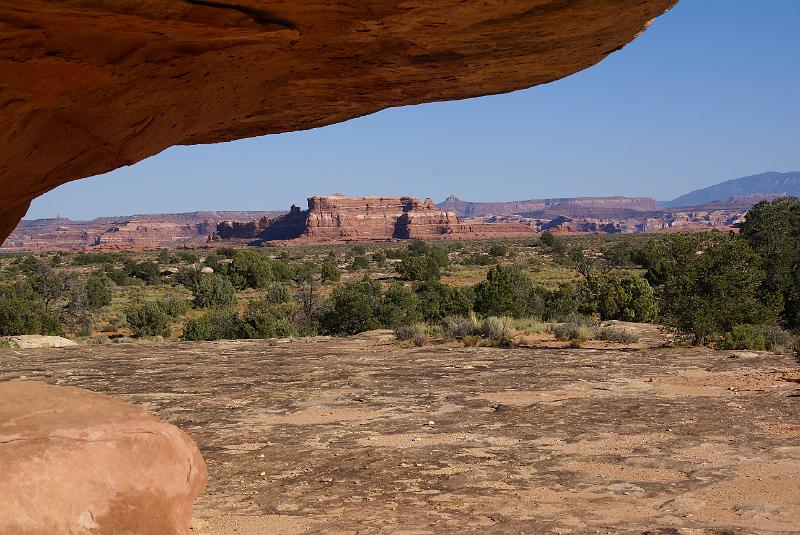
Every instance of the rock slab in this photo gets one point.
(81, 463)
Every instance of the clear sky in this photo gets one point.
(710, 92)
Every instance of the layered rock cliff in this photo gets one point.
(92, 85)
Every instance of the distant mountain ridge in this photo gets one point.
(770, 183)
(568, 206)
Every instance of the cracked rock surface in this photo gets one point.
(358, 435)
(91, 85)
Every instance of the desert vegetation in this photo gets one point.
(734, 291)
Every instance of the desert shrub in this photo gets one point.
(531, 325)
(49, 286)
(709, 283)
(330, 272)
(214, 291)
(214, 324)
(471, 340)
(278, 294)
(226, 252)
(779, 340)
(437, 300)
(359, 262)
(83, 259)
(353, 308)
(498, 250)
(772, 229)
(22, 311)
(98, 290)
(418, 247)
(145, 271)
(744, 337)
(212, 261)
(477, 259)
(623, 297)
(147, 319)
(249, 269)
(497, 330)
(187, 257)
(409, 331)
(573, 331)
(379, 258)
(617, 334)
(506, 291)
(457, 327)
(418, 268)
(440, 256)
(283, 271)
(358, 250)
(399, 306)
(262, 319)
(174, 306)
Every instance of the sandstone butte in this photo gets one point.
(87, 86)
(340, 218)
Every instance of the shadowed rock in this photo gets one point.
(91, 86)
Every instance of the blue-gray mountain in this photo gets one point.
(764, 183)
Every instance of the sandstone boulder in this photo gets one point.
(34, 341)
(81, 463)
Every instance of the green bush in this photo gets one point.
(399, 307)
(214, 324)
(249, 269)
(436, 300)
(623, 297)
(359, 262)
(147, 319)
(779, 340)
(145, 271)
(214, 291)
(498, 250)
(330, 272)
(98, 290)
(505, 292)
(410, 331)
(22, 311)
(418, 268)
(744, 337)
(278, 294)
(263, 319)
(353, 308)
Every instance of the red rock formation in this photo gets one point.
(126, 232)
(89, 86)
(78, 462)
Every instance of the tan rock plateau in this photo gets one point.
(92, 85)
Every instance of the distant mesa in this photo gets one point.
(340, 218)
(573, 207)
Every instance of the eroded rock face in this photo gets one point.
(92, 85)
(82, 463)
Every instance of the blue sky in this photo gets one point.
(710, 92)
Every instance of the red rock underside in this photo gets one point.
(91, 85)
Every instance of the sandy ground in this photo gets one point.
(357, 435)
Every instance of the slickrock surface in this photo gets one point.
(81, 463)
(92, 85)
(357, 435)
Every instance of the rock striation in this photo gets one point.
(340, 218)
(79, 462)
(92, 85)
